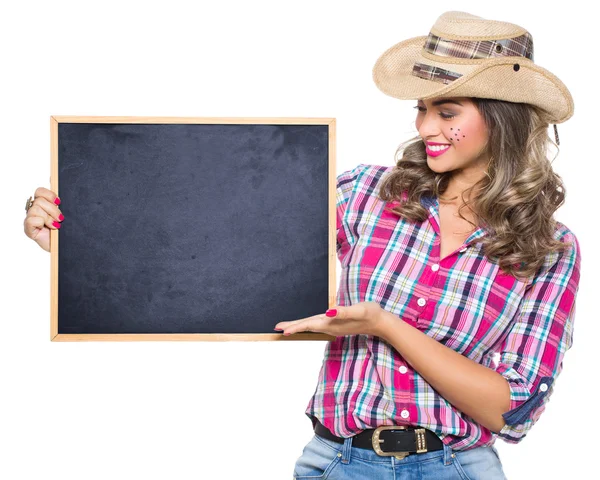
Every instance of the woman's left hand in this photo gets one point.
(361, 318)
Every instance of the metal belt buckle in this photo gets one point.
(419, 434)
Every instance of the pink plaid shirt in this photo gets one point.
(520, 330)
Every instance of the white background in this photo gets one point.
(231, 410)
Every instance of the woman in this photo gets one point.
(458, 287)
(457, 294)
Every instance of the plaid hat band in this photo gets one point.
(521, 46)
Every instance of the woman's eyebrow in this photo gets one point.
(435, 103)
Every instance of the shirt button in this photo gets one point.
(463, 250)
(404, 414)
(421, 302)
(435, 267)
(403, 369)
(543, 387)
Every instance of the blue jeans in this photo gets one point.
(324, 459)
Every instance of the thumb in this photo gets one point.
(357, 310)
(341, 312)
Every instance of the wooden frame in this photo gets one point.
(56, 120)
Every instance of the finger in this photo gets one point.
(283, 325)
(32, 225)
(311, 324)
(46, 219)
(295, 329)
(47, 194)
(49, 211)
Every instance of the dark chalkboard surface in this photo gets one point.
(191, 228)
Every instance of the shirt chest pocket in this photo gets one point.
(471, 315)
(462, 331)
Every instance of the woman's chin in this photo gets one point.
(437, 165)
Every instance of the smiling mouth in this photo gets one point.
(436, 153)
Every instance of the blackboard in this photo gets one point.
(185, 228)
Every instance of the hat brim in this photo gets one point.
(494, 78)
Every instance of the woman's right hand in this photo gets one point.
(41, 217)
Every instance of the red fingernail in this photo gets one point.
(332, 312)
(61, 217)
(56, 224)
(57, 201)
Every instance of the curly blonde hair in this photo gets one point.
(514, 201)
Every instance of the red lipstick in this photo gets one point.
(431, 153)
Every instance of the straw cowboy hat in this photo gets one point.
(468, 56)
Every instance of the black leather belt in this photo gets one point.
(388, 440)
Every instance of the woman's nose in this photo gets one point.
(429, 127)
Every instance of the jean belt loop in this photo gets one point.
(448, 455)
(347, 450)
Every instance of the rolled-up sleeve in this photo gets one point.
(531, 355)
(345, 183)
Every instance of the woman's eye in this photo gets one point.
(443, 115)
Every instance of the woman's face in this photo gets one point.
(457, 123)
